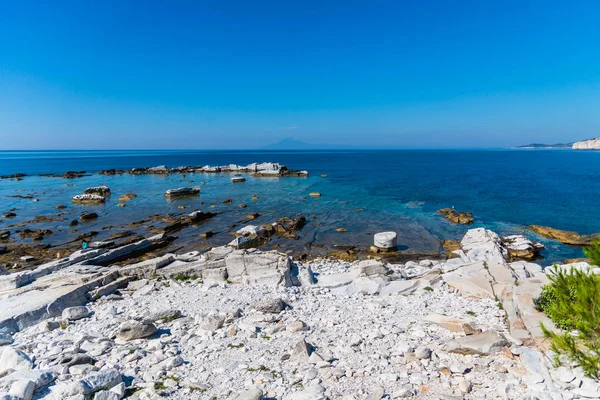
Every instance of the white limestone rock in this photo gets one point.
(590, 144)
(75, 313)
(386, 240)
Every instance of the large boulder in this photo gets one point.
(14, 360)
(484, 245)
(135, 330)
(386, 241)
(75, 313)
(254, 267)
(518, 246)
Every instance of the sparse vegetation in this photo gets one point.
(572, 302)
(593, 253)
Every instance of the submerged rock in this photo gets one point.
(127, 197)
(458, 217)
(566, 237)
(88, 216)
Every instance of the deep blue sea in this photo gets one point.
(364, 192)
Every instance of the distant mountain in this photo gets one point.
(547, 146)
(289, 144)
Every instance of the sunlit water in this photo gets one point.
(364, 192)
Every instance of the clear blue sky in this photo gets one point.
(223, 74)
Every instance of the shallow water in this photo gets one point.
(395, 190)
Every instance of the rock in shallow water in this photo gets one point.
(386, 240)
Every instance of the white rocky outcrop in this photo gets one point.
(591, 144)
(248, 324)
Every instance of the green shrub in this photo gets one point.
(572, 301)
(593, 252)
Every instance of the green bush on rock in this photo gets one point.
(572, 301)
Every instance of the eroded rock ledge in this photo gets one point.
(247, 324)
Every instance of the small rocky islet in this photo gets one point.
(132, 317)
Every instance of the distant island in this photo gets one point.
(289, 144)
(547, 146)
(589, 144)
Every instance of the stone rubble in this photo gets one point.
(248, 325)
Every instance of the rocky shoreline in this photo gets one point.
(266, 169)
(249, 324)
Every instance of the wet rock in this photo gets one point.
(99, 190)
(243, 242)
(4, 235)
(127, 196)
(135, 330)
(74, 223)
(35, 234)
(9, 215)
(183, 191)
(566, 237)
(208, 235)
(75, 313)
(88, 199)
(88, 216)
(458, 217)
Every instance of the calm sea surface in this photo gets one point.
(364, 192)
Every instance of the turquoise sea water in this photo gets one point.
(364, 192)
